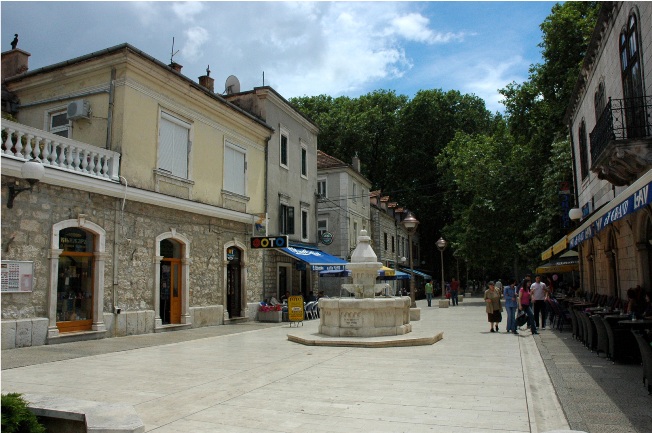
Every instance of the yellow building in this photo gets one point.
(141, 222)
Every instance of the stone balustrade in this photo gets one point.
(26, 143)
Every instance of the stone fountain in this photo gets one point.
(365, 314)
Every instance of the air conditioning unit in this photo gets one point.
(78, 110)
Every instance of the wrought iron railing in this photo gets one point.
(622, 119)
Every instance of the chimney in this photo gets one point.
(14, 62)
(356, 163)
(177, 67)
(207, 81)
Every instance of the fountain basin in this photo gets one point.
(366, 317)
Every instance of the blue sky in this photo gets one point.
(303, 48)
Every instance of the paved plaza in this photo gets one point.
(250, 378)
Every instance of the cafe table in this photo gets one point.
(636, 324)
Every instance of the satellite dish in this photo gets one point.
(232, 85)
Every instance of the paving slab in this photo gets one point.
(251, 378)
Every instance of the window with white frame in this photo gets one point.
(174, 145)
(365, 198)
(304, 161)
(354, 192)
(58, 123)
(321, 187)
(304, 224)
(283, 149)
(286, 219)
(322, 227)
(235, 169)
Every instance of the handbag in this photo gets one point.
(521, 318)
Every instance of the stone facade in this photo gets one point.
(614, 254)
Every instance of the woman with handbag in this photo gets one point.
(493, 307)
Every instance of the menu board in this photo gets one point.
(16, 276)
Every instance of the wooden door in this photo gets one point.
(170, 291)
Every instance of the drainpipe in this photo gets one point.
(109, 117)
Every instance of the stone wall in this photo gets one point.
(130, 256)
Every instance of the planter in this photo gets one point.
(270, 316)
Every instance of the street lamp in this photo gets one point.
(441, 244)
(410, 223)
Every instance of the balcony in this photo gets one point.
(20, 142)
(621, 142)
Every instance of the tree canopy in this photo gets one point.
(486, 182)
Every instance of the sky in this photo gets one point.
(300, 48)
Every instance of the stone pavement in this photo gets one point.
(249, 377)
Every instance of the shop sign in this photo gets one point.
(295, 308)
(327, 238)
(258, 242)
(631, 204)
(16, 276)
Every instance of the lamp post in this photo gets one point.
(410, 223)
(441, 245)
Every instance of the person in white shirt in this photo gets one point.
(539, 293)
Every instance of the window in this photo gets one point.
(584, 158)
(354, 192)
(286, 223)
(385, 241)
(355, 233)
(630, 61)
(58, 123)
(365, 198)
(599, 102)
(304, 161)
(283, 150)
(304, 225)
(235, 169)
(321, 187)
(392, 243)
(322, 227)
(174, 145)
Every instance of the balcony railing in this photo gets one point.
(622, 119)
(27, 143)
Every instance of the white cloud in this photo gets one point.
(186, 11)
(196, 37)
(414, 27)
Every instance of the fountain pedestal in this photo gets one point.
(367, 317)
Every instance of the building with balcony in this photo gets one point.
(610, 122)
(152, 187)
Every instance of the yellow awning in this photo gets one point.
(547, 254)
(557, 248)
(557, 269)
(388, 272)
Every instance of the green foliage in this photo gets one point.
(16, 417)
(488, 183)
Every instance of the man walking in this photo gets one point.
(455, 287)
(539, 292)
(429, 292)
(511, 304)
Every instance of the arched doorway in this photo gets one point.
(234, 281)
(170, 282)
(75, 280)
(76, 295)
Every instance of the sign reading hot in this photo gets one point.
(269, 242)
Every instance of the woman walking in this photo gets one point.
(492, 300)
(511, 305)
(525, 304)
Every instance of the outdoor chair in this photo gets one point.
(562, 315)
(646, 357)
(622, 344)
(309, 313)
(574, 324)
(602, 344)
(589, 332)
(550, 313)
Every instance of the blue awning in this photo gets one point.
(317, 259)
(419, 273)
(346, 273)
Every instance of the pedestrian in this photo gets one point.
(539, 292)
(492, 300)
(429, 292)
(455, 288)
(525, 304)
(499, 286)
(511, 305)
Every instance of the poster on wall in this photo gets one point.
(16, 276)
